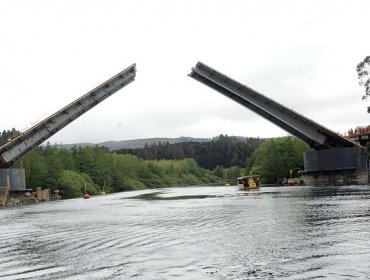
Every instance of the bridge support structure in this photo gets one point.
(336, 166)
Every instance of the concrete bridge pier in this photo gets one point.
(336, 166)
(13, 178)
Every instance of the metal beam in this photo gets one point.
(40, 132)
(314, 134)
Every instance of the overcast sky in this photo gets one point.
(300, 53)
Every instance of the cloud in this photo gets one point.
(302, 54)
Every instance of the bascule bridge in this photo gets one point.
(14, 178)
(334, 159)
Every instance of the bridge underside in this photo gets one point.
(314, 134)
(334, 159)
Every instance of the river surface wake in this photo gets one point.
(192, 233)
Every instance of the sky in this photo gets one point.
(302, 54)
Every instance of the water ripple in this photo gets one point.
(192, 233)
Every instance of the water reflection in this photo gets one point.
(158, 196)
(192, 233)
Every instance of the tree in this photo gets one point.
(225, 151)
(363, 71)
(6, 135)
(36, 168)
(70, 170)
(72, 184)
(274, 159)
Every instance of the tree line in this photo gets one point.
(230, 156)
(225, 151)
(70, 171)
(7, 135)
(275, 157)
(159, 165)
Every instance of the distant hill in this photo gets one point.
(137, 143)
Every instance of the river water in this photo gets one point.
(192, 233)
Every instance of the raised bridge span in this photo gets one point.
(315, 135)
(39, 133)
(334, 158)
(14, 178)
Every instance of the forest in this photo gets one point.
(275, 157)
(225, 151)
(99, 169)
(160, 165)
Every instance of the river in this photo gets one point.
(192, 233)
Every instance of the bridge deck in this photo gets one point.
(31, 138)
(314, 134)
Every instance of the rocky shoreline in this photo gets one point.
(19, 198)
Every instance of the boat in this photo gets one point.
(248, 182)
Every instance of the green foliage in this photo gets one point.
(274, 159)
(159, 165)
(70, 170)
(363, 72)
(229, 174)
(219, 172)
(72, 184)
(128, 184)
(232, 173)
(7, 135)
(225, 151)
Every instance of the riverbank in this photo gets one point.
(20, 198)
(25, 197)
